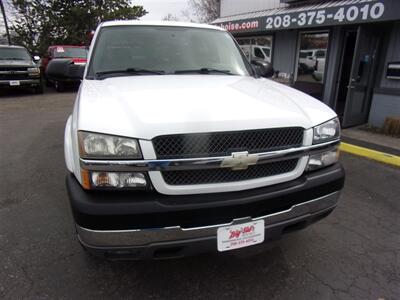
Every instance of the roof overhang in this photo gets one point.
(313, 14)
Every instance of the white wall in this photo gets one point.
(234, 7)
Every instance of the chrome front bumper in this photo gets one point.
(115, 239)
(22, 82)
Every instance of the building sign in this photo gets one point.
(362, 11)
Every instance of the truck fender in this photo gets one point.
(69, 162)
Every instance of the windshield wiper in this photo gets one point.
(128, 71)
(204, 71)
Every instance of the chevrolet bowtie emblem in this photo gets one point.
(239, 160)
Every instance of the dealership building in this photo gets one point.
(345, 53)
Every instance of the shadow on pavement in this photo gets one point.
(261, 271)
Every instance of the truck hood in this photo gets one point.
(17, 63)
(148, 106)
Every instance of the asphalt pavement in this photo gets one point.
(352, 254)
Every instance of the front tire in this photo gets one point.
(59, 86)
(38, 90)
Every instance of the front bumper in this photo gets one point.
(22, 83)
(140, 225)
(175, 241)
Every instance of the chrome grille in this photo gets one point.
(14, 73)
(14, 76)
(13, 68)
(224, 143)
(221, 175)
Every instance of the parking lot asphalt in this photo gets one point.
(352, 254)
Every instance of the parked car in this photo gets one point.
(176, 145)
(257, 52)
(318, 74)
(18, 69)
(76, 54)
(308, 59)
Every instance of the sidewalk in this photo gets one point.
(374, 141)
(375, 146)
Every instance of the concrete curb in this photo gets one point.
(371, 144)
(383, 157)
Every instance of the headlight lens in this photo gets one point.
(118, 180)
(33, 71)
(95, 145)
(327, 131)
(113, 180)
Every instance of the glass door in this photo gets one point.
(362, 76)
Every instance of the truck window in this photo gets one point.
(320, 53)
(267, 52)
(166, 49)
(66, 52)
(258, 53)
(14, 54)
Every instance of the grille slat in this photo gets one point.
(224, 143)
(189, 177)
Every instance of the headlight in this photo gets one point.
(103, 146)
(327, 131)
(33, 71)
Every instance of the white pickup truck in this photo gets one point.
(176, 145)
(257, 52)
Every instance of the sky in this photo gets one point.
(157, 9)
(160, 8)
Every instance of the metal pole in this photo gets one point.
(5, 21)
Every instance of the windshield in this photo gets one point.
(14, 54)
(168, 50)
(60, 52)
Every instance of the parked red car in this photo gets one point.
(78, 54)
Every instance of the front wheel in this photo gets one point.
(38, 90)
(59, 86)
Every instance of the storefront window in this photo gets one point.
(257, 48)
(312, 55)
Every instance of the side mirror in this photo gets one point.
(262, 68)
(64, 69)
(36, 58)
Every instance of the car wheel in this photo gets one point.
(59, 86)
(39, 89)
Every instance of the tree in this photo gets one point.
(41, 23)
(206, 11)
(170, 17)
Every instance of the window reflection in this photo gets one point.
(312, 55)
(257, 48)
